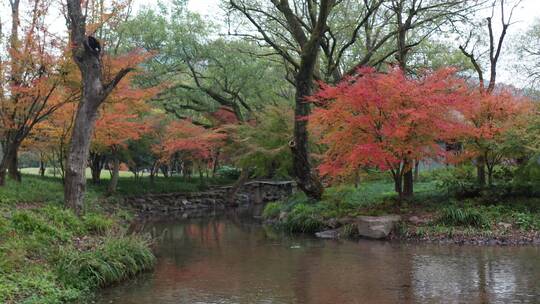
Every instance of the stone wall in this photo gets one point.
(254, 192)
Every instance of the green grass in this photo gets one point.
(132, 186)
(456, 216)
(49, 255)
(33, 190)
(105, 175)
(127, 185)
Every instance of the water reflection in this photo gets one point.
(230, 260)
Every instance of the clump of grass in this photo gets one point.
(30, 223)
(272, 210)
(97, 223)
(115, 260)
(303, 218)
(456, 216)
(349, 230)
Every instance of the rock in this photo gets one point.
(283, 215)
(376, 227)
(504, 225)
(414, 219)
(332, 223)
(417, 220)
(347, 220)
(328, 234)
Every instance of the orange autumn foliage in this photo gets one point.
(385, 121)
(193, 141)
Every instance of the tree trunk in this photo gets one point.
(215, 165)
(115, 175)
(308, 181)
(75, 182)
(408, 184)
(153, 171)
(357, 178)
(13, 165)
(490, 175)
(9, 163)
(94, 92)
(416, 171)
(398, 185)
(3, 172)
(41, 167)
(481, 170)
(165, 170)
(96, 165)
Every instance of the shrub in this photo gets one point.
(455, 216)
(228, 172)
(272, 210)
(526, 221)
(459, 181)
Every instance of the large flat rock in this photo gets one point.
(376, 227)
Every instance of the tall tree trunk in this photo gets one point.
(357, 178)
(408, 184)
(3, 173)
(13, 165)
(481, 170)
(9, 163)
(113, 184)
(490, 175)
(153, 170)
(96, 165)
(416, 171)
(215, 165)
(398, 184)
(94, 92)
(41, 166)
(75, 178)
(308, 181)
(165, 170)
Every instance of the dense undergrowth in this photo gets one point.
(49, 255)
(441, 207)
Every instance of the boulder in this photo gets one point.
(417, 220)
(376, 227)
(504, 225)
(328, 234)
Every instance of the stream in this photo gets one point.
(233, 259)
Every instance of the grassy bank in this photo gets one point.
(433, 215)
(49, 255)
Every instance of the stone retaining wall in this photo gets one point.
(254, 192)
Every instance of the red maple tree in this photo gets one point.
(387, 121)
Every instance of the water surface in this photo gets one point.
(229, 259)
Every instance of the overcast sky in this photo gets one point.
(524, 16)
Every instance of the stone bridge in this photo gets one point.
(253, 192)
